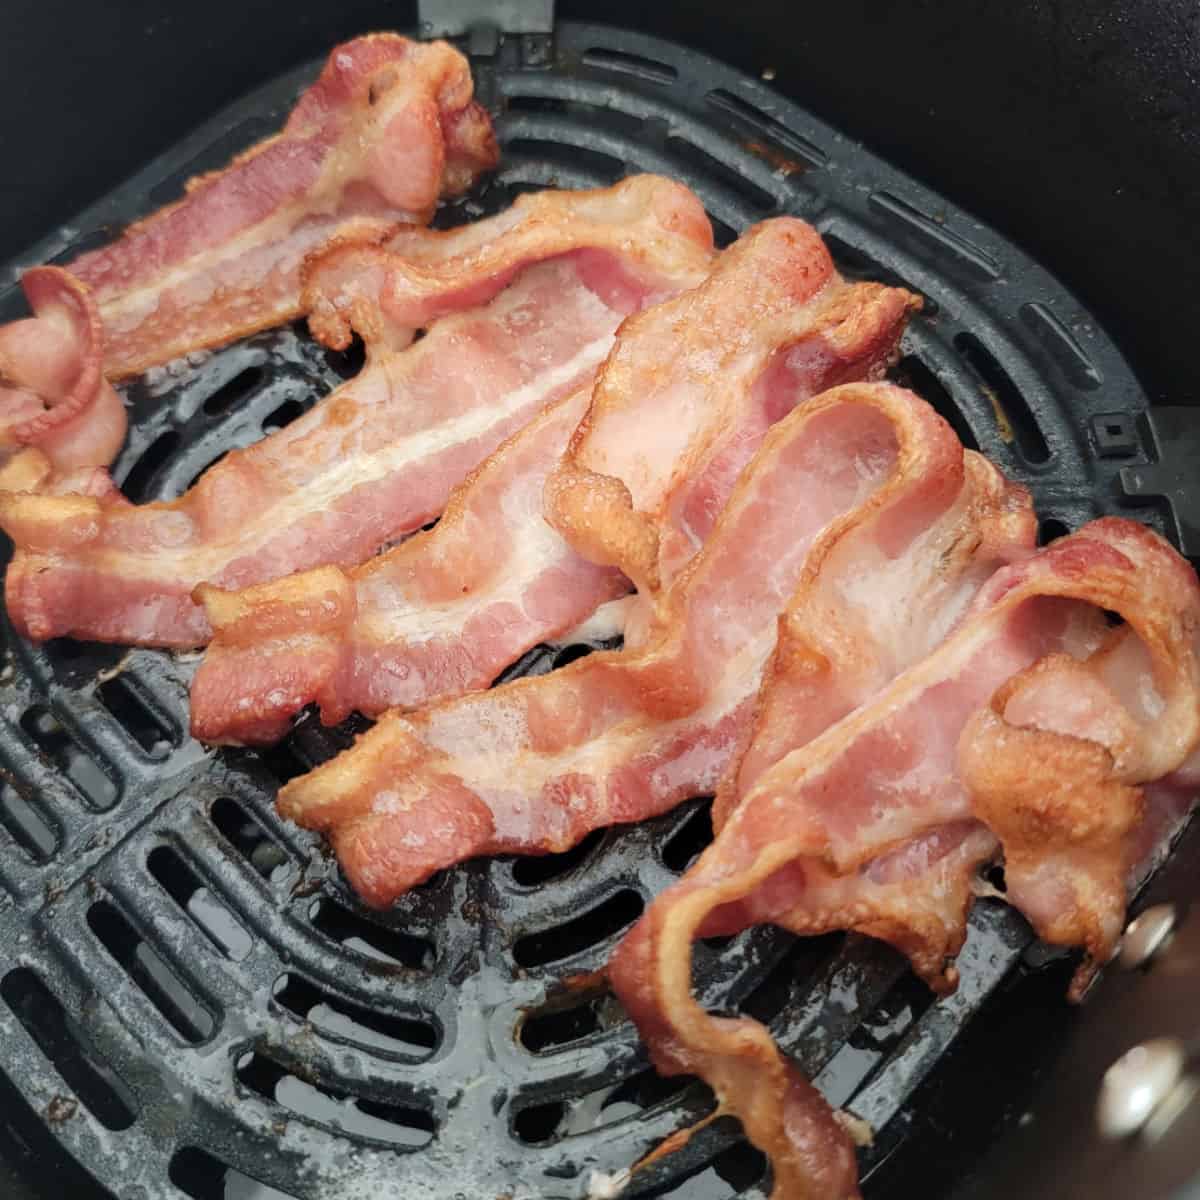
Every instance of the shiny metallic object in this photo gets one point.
(1147, 936)
(1137, 1084)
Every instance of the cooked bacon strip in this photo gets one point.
(387, 127)
(407, 630)
(774, 326)
(619, 736)
(57, 412)
(377, 458)
(1030, 728)
(439, 615)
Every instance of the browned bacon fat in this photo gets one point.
(378, 457)
(57, 411)
(619, 736)
(1030, 730)
(388, 126)
(450, 610)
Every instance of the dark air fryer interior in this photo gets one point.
(137, 870)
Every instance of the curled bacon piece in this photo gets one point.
(388, 126)
(619, 736)
(450, 610)
(378, 457)
(642, 483)
(1030, 729)
(57, 411)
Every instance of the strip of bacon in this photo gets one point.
(449, 611)
(57, 411)
(377, 458)
(1029, 728)
(787, 314)
(535, 765)
(439, 615)
(388, 126)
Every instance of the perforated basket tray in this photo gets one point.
(193, 996)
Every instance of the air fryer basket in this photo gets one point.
(192, 991)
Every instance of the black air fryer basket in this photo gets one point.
(193, 1002)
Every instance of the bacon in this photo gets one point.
(449, 611)
(377, 458)
(774, 326)
(1030, 729)
(387, 127)
(439, 615)
(535, 765)
(57, 412)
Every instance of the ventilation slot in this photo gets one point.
(683, 846)
(533, 870)
(198, 1174)
(28, 825)
(150, 972)
(780, 135)
(285, 760)
(630, 64)
(282, 416)
(138, 483)
(183, 885)
(647, 1089)
(762, 202)
(916, 375)
(1061, 345)
(340, 1112)
(1050, 529)
(783, 981)
(591, 929)
(61, 748)
(356, 933)
(345, 364)
(250, 840)
(139, 716)
(229, 395)
(377, 1032)
(1015, 420)
(904, 214)
(97, 1085)
(547, 1030)
(537, 1124)
(578, 160)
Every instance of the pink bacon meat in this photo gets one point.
(57, 411)
(387, 128)
(1029, 730)
(620, 736)
(377, 458)
(450, 610)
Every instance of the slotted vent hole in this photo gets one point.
(1051, 528)
(210, 914)
(535, 869)
(781, 983)
(781, 135)
(932, 230)
(647, 1089)
(395, 1125)
(284, 760)
(230, 394)
(101, 1091)
(913, 373)
(198, 1174)
(700, 160)
(29, 825)
(282, 416)
(138, 483)
(151, 973)
(251, 840)
(685, 845)
(138, 715)
(395, 946)
(341, 1020)
(52, 739)
(576, 159)
(1013, 414)
(593, 927)
(347, 363)
(630, 64)
(549, 1029)
(536, 1124)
